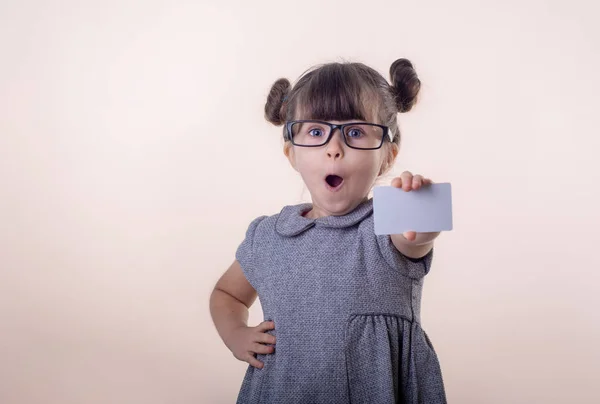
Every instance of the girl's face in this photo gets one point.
(338, 177)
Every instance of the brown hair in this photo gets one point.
(345, 91)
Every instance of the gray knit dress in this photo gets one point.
(346, 308)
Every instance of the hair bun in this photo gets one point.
(273, 108)
(405, 84)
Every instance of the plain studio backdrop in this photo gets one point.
(134, 154)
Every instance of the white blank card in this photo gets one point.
(428, 209)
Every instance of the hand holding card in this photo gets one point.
(422, 210)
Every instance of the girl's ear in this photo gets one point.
(389, 159)
(288, 150)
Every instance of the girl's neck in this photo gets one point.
(316, 212)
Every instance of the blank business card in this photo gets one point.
(428, 209)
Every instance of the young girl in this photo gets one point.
(341, 304)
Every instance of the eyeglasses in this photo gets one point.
(357, 135)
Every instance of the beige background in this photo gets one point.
(133, 154)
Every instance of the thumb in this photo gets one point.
(410, 235)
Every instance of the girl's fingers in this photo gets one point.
(253, 361)
(265, 326)
(262, 349)
(417, 181)
(407, 179)
(265, 338)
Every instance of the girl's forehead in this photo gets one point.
(365, 115)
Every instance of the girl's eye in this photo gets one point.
(315, 132)
(354, 132)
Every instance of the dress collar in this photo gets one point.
(290, 221)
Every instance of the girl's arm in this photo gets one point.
(230, 300)
(229, 303)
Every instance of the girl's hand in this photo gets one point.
(244, 342)
(408, 182)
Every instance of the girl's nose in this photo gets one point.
(335, 148)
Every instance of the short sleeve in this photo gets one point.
(414, 268)
(245, 253)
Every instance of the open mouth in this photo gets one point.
(334, 181)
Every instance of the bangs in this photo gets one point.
(336, 94)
